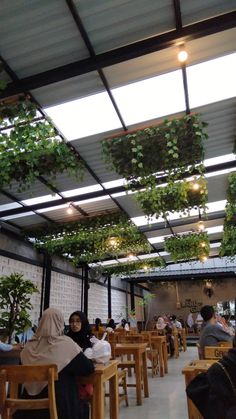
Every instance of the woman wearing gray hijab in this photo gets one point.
(49, 345)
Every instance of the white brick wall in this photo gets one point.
(65, 293)
(97, 303)
(118, 304)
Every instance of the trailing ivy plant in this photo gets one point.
(93, 239)
(173, 147)
(188, 246)
(131, 267)
(30, 147)
(177, 196)
(228, 243)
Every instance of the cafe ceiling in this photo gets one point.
(63, 50)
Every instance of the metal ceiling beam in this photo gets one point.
(102, 193)
(137, 49)
(181, 276)
(85, 37)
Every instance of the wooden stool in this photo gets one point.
(19, 374)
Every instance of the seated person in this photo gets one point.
(80, 330)
(214, 392)
(49, 345)
(211, 332)
(6, 347)
(98, 326)
(110, 327)
(123, 324)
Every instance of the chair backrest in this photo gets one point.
(215, 352)
(20, 374)
(131, 339)
(225, 344)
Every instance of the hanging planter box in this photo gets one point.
(188, 246)
(93, 239)
(174, 197)
(30, 147)
(129, 268)
(173, 147)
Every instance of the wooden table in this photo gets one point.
(182, 332)
(190, 371)
(160, 343)
(10, 357)
(103, 373)
(138, 351)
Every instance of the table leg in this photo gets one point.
(114, 397)
(145, 377)
(138, 371)
(98, 399)
(165, 356)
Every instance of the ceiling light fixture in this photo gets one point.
(70, 208)
(182, 55)
(200, 226)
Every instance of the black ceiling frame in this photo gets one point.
(125, 53)
(178, 277)
(105, 192)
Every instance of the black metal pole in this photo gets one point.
(42, 285)
(86, 288)
(109, 297)
(48, 272)
(132, 300)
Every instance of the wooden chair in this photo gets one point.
(152, 354)
(215, 352)
(19, 374)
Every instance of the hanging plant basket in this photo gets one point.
(188, 246)
(174, 197)
(93, 239)
(30, 147)
(174, 146)
(129, 268)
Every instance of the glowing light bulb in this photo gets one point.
(145, 268)
(203, 244)
(203, 258)
(69, 209)
(130, 256)
(113, 242)
(200, 226)
(195, 186)
(182, 56)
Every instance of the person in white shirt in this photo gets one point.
(123, 324)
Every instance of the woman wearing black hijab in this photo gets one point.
(214, 392)
(80, 329)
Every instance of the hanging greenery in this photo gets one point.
(188, 246)
(30, 147)
(93, 239)
(173, 147)
(131, 267)
(175, 196)
(228, 243)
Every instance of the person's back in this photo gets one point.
(211, 333)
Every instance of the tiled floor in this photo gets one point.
(167, 399)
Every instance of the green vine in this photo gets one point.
(30, 147)
(228, 243)
(174, 147)
(188, 246)
(131, 267)
(93, 239)
(175, 196)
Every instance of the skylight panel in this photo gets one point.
(210, 230)
(41, 199)
(211, 207)
(12, 217)
(82, 191)
(220, 159)
(90, 200)
(83, 117)
(151, 98)
(12, 205)
(57, 207)
(212, 81)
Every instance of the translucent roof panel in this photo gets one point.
(151, 98)
(83, 117)
(210, 230)
(212, 81)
